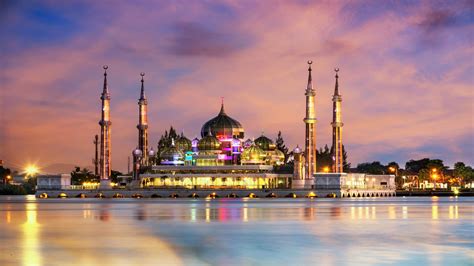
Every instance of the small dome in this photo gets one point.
(171, 155)
(247, 143)
(195, 142)
(279, 154)
(209, 143)
(265, 143)
(297, 149)
(183, 144)
(223, 127)
(253, 155)
(151, 153)
(278, 157)
(137, 152)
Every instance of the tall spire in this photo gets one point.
(142, 92)
(336, 149)
(143, 123)
(105, 139)
(310, 135)
(310, 78)
(222, 106)
(105, 90)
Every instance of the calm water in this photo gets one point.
(416, 231)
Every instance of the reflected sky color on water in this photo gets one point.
(413, 231)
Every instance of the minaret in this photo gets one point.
(143, 124)
(337, 129)
(96, 158)
(310, 121)
(105, 147)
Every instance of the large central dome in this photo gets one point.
(223, 127)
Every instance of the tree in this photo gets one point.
(280, 144)
(394, 165)
(114, 176)
(392, 168)
(4, 172)
(345, 165)
(414, 166)
(323, 159)
(426, 169)
(424, 175)
(79, 176)
(375, 168)
(465, 174)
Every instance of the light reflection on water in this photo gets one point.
(417, 231)
(30, 236)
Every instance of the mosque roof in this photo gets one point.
(172, 153)
(183, 144)
(223, 127)
(265, 143)
(253, 154)
(209, 143)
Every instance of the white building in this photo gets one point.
(60, 181)
(355, 185)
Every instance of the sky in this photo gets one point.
(406, 74)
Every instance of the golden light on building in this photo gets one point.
(326, 169)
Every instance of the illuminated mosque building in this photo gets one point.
(223, 158)
(225, 162)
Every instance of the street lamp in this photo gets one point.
(434, 176)
(31, 170)
(393, 169)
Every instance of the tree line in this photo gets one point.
(425, 169)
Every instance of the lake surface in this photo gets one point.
(370, 231)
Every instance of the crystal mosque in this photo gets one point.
(224, 162)
(222, 158)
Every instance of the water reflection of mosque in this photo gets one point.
(224, 212)
(34, 222)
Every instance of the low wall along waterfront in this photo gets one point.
(198, 193)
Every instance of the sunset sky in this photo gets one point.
(406, 74)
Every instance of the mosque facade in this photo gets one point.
(225, 158)
(221, 158)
